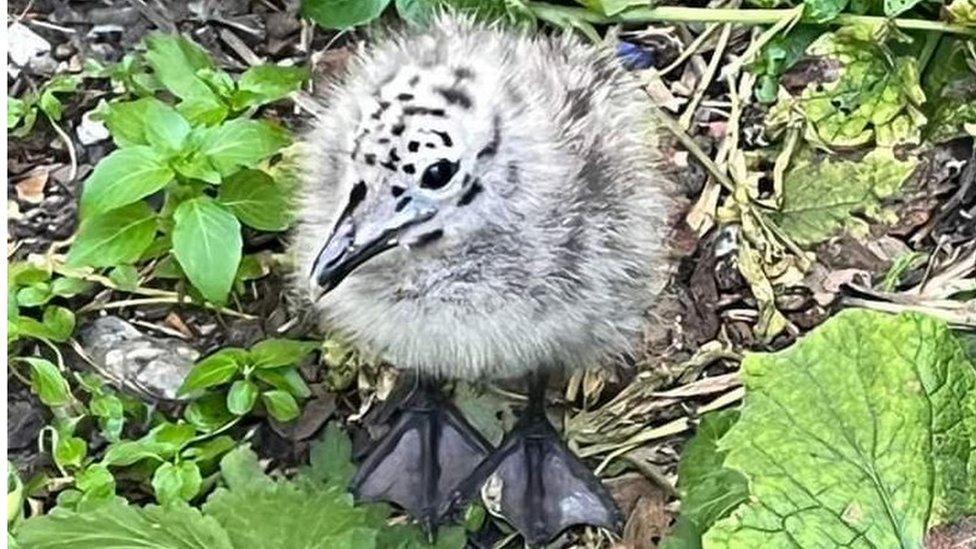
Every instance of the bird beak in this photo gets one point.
(361, 235)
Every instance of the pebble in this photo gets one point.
(139, 362)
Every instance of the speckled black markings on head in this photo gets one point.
(412, 111)
(405, 97)
(356, 196)
(473, 190)
(445, 138)
(403, 203)
(370, 159)
(463, 73)
(496, 139)
(455, 96)
(397, 190)
(397, 129)
(409, 169)
(414, 80)
(413, 146)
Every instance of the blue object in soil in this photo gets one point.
(633, 56)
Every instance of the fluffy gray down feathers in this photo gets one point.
(557, 259)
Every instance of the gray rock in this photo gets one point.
(136, 361)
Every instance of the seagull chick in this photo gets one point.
(483, 203)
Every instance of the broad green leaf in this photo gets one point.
(330, 459)
(165, 128)
(285, 378)
(208, 413)
(175, 61)
(256, 200)
(240, 469)
(47, 382)
(70, 451)
(116, 525)
(863, 433)
(122, 178)
(820, 199)
(241, 397)
(242, 143)
(126, 277)
(864, 95)
(342, 14)
(59, 322)
(215, 369)
(708, 490)
(207, 243)
(67, 286)
(272, 353)
(267, 83)
(209, 449)
(258, 513)
(127, 452)
(115, 237)
(175, 484)
(489, 413)
(280, 404)
(778, 56)
(34, 295)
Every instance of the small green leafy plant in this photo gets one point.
(30, 313)
(250, 509)
(207, 157)
(236, 378)
(22, 111)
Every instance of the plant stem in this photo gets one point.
(677, 14)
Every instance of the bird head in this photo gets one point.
(430, 162)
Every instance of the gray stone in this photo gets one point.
(136, 361)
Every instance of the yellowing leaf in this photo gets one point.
(862, 434)
(820, 198)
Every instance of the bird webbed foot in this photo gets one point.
(536, 483)
(419, 462)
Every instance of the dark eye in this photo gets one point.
(438, 174)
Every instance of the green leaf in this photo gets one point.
(209, 449)
(126, 277)
(819, 199)
(67, 286)
(97, 483)
(962, 12)
(280, 404)
(16, 108)
(822, 11)
(256, 200)
(115, 237)
(47, 382)
(778, 56)
(70, 451)
(330, 459)
(240, 469)
(165, 128)
(208, 413)
(176, 62)
(241, 397)
(285, 378)
(122, 178)
(865, 94)
(59, 322)
(127, 452)
(862, 433)
(207, 243)
(174, 484)
(342, 14)
(272, 353)
(266, 83)
(34, 295)
(894, 8)
(949, 84)
(708, 490)
(242, 143)
(215, 369)
(490, 414)
(116, 525)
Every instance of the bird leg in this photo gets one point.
(535, 481)
(419, 462)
